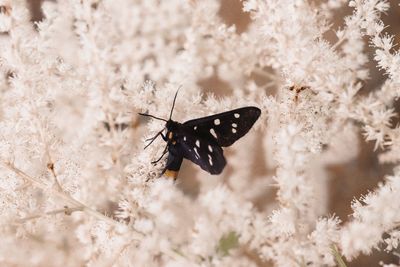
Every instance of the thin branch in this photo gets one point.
(265, 74)
(71, 201)
(268, 84)
(50, 166)
(118, 255)
(79, 205)
(338, 257)
(339, 42)
(42, 138)
(65, 210)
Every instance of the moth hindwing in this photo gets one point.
(201, 140)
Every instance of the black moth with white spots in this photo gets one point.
(201, 140)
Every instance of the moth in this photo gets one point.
(201, 140)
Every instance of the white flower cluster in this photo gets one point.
(77, 188)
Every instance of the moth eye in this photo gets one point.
(210, 148)
(234, 125)
(197, 143)
(217, 122)
(233, 130)
(237, 115)
(210, 159)
(213, 132)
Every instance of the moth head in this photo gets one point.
(169, 124)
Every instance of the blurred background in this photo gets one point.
(350, 180)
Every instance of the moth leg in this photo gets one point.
(174, 163)
(164, 137)
(154, 138)
(164, 152)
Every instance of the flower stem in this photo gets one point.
(338, 257)
(65, 210)
(67, 198)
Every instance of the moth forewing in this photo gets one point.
(227, 127)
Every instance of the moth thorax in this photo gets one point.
(170, 136)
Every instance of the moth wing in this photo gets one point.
(227, 127)
(208, 155)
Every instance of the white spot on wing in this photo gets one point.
(210, 159)
(210, 148)
(217, 122)
(233, 130)
(184, 138)
(213, 132)
(197, 143)
(237, 115)
(234, 125)
(195, 127)
(197, 153)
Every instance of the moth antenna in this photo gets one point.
(173, 104)
(154, 117)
